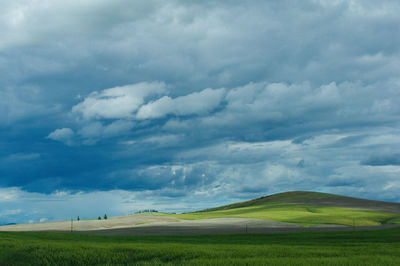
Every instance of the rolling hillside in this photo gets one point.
(307, 209)
(316, 199)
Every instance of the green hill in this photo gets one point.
(286, 197)
(317, 199)
(307, 209)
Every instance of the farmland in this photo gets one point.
(324, 248)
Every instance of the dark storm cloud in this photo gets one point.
(203, 100)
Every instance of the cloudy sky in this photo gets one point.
(118, 106)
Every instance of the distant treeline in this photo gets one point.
(145, 211)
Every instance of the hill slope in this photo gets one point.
(308, 209)
(316, 199)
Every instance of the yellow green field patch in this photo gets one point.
(300, 214)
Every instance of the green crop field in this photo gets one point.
(300, 214)
(329, 248)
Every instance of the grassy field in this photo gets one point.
(300, 214)
(330, 248)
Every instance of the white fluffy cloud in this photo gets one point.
(123, 102)
(192, 104)
(62, 134)
(117, 102)
(122, 105)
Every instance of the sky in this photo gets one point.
(119, 106)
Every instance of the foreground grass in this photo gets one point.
(301, 214)
(330, 248)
